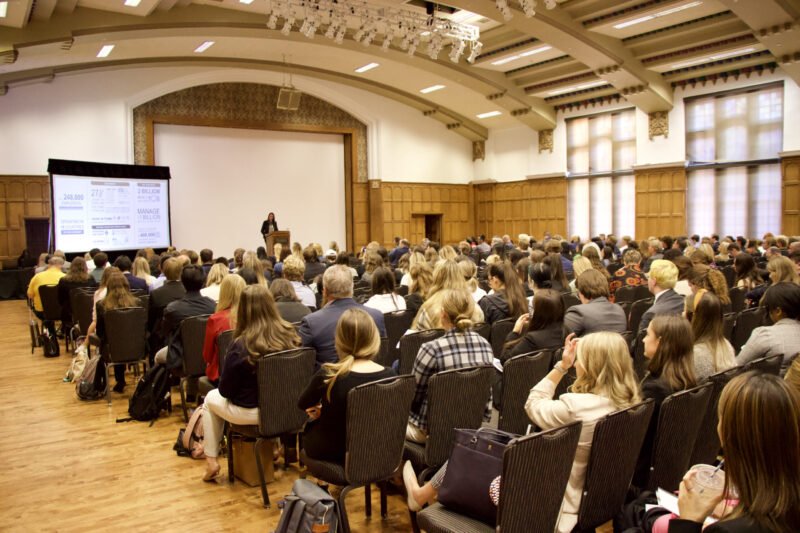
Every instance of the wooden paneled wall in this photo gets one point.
(790, 170)
(20, 196)
(530, 206)
(660, 201)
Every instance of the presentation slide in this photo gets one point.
(110, 213)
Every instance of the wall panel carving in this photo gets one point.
(20, 196)
(660, 201)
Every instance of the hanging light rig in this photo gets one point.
(387, 25)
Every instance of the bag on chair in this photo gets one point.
(475, 462)
(308, 509)
(190, 438)
(151, 396)
(85, 388)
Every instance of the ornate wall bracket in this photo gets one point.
(658, 124)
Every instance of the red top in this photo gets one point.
(217, 323)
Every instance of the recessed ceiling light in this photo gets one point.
(659, 14)
(3, 9)
(245, 1)
(578, 87)
(634, 21)
(715, 57)
(430, 89)
(521, 55)
(489, 114)
(203, 47)
(132, 3)
(105, 50)
(367, 67)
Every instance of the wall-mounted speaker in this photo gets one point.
(289, 99)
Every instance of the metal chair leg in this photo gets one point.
(368, 500)
(414, 526)
(257, 451)
(382, 486)
(230, 455)
(343, 509)
(108, 389)
(183, 399)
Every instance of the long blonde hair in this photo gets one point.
(446, 275)
(140, 268)
(459, 306)
(607, 369)
(251, 260)
(229, 291)
(357, 337)
(217, 273)
(259, 326)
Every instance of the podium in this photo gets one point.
(276, 237)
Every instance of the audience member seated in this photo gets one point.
(759, 429)
(470, 271)
(459, 347)
(662, 280)
(446, 275)
(260, 331)
(293, 271)
(318, 329)
(669, 345)
(214, 279)
(207, 260)
(123, 263)
(325, 398)
(421, 279)
(630, 275)
(595, 313)
(537, 330)
(414, 258)
(558, 278)
(289, 305)
(221, 320)
(685, 266)
(782, 303)
(712, 351)
(313, 267)
(77, 276)
(398, 252)
(591, 253)
(372, 261)
(171, 290)
(118, 296)
(250, 260)
(100, 263)
(553, 249)
(383, 296)
(50, 276)
(781, 270)
(141, 270)
(704, 279)
(508, 299)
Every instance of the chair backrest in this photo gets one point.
(737, 295)
(616, 444)
(224, 341)
(409, 346)
(48, 294)
(730, 275)
(746, 322)
(500, 331)
(770, 364)
(536, 469)
(626, 293)
(82, 302)
(707, 445)
(456, 399)
(377, 415)
(362, 295)
(397, 323)
(282, 378)
(640, 362)
(626, 307)
(569, 299)
(484, 329)
(402, 290)
(193, 336)
(678, 424)
(637, 310)
(630, 338)
(520, 374)
(126, 334)
(643, 292)
(728, 322)
(383, 358)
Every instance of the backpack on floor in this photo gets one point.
(190, 438)
(84, 387)
(151, 396)
(49, 343)
(308, 509)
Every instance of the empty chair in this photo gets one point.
(746, 322)
(500, 331)
(520, 374)
(535, 473)
(126, 336)
(282, 377)
(625, 294)
(456, 399)
(737, 294)
(770, 364)
(193, 334)
(707, 445)
(397, 323)
(679, 422)
(377, 414)
(616, 443)
(409, 346)
(638, 309)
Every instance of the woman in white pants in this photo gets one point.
(260, 331)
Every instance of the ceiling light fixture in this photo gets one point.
(528, 7)
(489, 114)
(368, 66)
(132, 3)
(248, 2)
(430, 89)
(3, 9)
(715, 57)
(105, 50)
(203, 47)
(656, 15)
(521, 55)
(578, 87)
(475, 52)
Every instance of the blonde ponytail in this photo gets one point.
(459, 306)
(356, 338)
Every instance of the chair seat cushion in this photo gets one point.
(247, 431)
(325, 470)
(438, 519)
(415, 453)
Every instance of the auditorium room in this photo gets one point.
(400, 265)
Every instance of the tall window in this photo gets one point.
(734, 175)
(601, 150)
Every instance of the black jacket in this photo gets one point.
(192, 304)
(494, 307)
(549, 337)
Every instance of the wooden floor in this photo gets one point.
(70, 468)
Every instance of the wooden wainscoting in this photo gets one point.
(660, 200)
(790, 189)
(20, 196)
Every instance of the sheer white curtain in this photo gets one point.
(740, 127)
(603, 143)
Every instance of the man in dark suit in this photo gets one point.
(123, 263)
(663, 277)
(171, 290)
(595, 313)
(397, 253)
(318, 329)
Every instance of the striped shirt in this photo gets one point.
(453, 350)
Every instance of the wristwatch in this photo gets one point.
(558, 367)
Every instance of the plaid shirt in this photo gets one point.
(453, 350)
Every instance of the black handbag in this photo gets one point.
(476, 460)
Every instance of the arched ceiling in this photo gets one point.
(529, 67)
